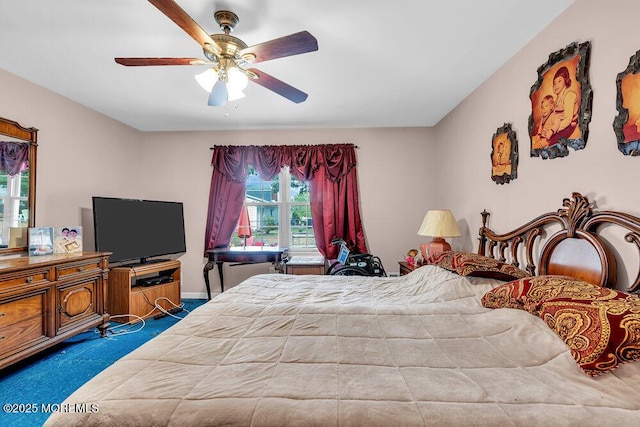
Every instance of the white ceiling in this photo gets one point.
(404, 63)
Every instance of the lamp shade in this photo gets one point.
(207, 79)
(219, 94)
(438, 224)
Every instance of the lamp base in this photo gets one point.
(434, 247)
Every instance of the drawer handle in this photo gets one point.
(1, 314)
(29, 279)
(80, 268)
(1, 337)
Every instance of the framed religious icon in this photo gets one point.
(504, 155)
(561, 102)
(626, 124)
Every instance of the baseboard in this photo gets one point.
(194, 295)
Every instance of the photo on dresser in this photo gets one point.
(67, 239)
(40, 241)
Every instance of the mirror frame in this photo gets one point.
(30, 136)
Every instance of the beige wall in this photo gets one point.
(599, 171)
(394, 170)
(80, 152)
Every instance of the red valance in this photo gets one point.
(233, 161)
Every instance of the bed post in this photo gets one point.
(483, 237)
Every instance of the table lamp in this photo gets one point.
(438, 224)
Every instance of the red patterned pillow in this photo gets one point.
(469, 264)
(530, 292)
(601, 333)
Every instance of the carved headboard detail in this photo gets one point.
(575, 250)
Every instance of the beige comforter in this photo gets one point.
(282, 350)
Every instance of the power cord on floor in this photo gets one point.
(170, 312)
(114, 330)
(176, 308)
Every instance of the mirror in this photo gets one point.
(18, 146)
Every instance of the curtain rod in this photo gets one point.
(354, 146)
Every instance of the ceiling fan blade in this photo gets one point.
(293, 44)
(219, 94)
(174, 12)
(135, 62)
(278, 86)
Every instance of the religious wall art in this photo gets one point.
(626, 124)
(561, 102)
(504, 155)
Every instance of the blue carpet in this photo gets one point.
(52, 375)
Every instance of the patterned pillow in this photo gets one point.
(469, 264)
(601, 333)
(530, 292)
(600, 326)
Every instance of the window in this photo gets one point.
(279, 212)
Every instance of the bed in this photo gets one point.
(464, 340)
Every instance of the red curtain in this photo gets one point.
(14, 157)
(226, 196)
(330, 169)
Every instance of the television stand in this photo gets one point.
(129, 292)
(144, 261)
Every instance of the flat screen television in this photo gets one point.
(138, 230)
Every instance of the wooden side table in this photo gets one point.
(306, 265)
(406, 268)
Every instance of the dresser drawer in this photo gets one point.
(91, 267)
(21, 322)
(32, 277)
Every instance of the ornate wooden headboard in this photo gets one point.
(575, 250)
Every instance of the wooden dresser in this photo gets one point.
(47, 299)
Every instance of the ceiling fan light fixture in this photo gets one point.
(228, 55)
(233, 79)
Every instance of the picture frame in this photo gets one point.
(626, 124)
(40, 241)
(504, 155)
(561, 103)
(67, 239)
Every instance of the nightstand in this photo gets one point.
(306, 265)
(406, 268)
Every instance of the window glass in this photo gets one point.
(14, 204)
(300, 215)
(279, 213)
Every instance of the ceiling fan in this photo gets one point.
(228, 56)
